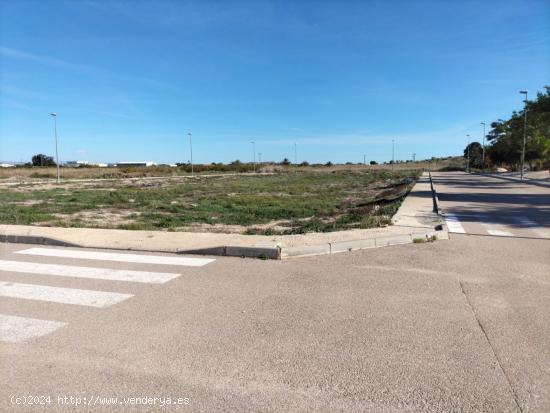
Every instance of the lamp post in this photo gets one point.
(483, 147)
(54, 115)
(254, 154)
(524, 92)
(468, 150)
(392, 154)
(191, 151)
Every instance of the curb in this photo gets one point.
(32, 239)
(361, 244)
(229, 251)
(273, 253)
(437, 205)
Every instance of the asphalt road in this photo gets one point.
(483, 205)
(458, 325)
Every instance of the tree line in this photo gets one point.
(505, 139)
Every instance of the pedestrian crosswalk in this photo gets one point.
(499, 226)
(86, 272)
(118, 257)
(14, 329)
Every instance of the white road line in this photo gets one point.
(454, 224)
(533, 226)
(87, 272)
(493, 228)
(112, 256)
(15, 329)
(499, 233)
(61, 295)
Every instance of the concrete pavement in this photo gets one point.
(485, 205)
(448, 326)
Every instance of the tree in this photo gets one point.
(506, 136)
(373, 163)
(329, 163)
(285, 162)
(42, 160)
(304, 163)
(476, 154)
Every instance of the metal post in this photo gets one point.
(191, 151)
(295, 155)
(364, 160)
(254, 154)
(392, 154)
(260, 158)
(56, 153)
(483, 148)
(468, 149)
(524, 132)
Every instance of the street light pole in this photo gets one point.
(524, 92)
(483, 147)
(254, 154)
(392, 154)
(54, 115)
(468, 148)
(191, 151)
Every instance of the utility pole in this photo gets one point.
(414, 157)
(392, 154)
(295, 155)
(524, 92)
(191, 151)
(260, 158)
(483, 147)
(254, 154)
(468, 149)
(364, 160)
(54, 115)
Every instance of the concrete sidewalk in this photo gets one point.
(415, 219)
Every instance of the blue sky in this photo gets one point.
(129, 79)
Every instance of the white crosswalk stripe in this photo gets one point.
(61, 295)
(87, 272)
(15, 329)
(495, 226)
(119, 257)
(453, 223)
(495, 229)
(533, 226)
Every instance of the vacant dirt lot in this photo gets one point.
(277, 203)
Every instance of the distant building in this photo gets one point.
(6, 165)
(139, 164)
(76, 164)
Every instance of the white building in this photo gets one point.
(137, 163)
(76, 164)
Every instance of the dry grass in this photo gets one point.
(319, 200)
